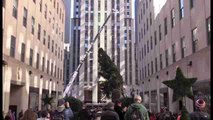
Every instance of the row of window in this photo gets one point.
(172, 18)
(146, 70)
(15, 10)
(194, 33)
(23, 55)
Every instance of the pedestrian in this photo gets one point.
(137, 111)
(199, 114)
(109, 113)
(84, 114)
(118, 108)
(165, 114)
(68, 113)
(59, 112)
(29, 115)
(20, 115)
(44, 115)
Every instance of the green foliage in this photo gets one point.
(75, 104)
(109, 71)
(47, 100)
(127, 101)
(181, 85)
(184, 114)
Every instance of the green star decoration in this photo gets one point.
(181, 86)
(47, 100)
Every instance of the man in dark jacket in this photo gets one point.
(137, 105)
(200, 114)
(68, 113)
(119, 110)
(109, 113)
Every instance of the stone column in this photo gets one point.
(7, 75)
(95, 94)
(40, 92)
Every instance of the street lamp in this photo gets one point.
(74, 75)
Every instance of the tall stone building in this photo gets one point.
(117, 39)
(172, 33)
(33, 43)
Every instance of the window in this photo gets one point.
(147, 46)
(52, 45)
(48, 45)
(99, 17)
(152, 67)
(148, 69)
(191, 4)
(99, 5)
(165, 26)
(44, 39)
(151, 44)
(39, 31)
(105, 5)
(194, 40)
(54, 3)
(183, 47)
(147, 24)
(57, 7)
(31, 57)
(146, 4)
(145, 50)
(22, 52)
(40, 4)
(33, 25)
(150, 15)
(181, 7)
(34, 1)
(173, 53)
(167, 57)
(173, 17)
(12, 46)
(43, 63)
(156, 65)
(45, 12)
(208, 27)
(48, 66)
(52, 68)
(25, 18)
(155, 37)
(159, 32)
(143, 8)
(37, 61)
(86, 17)
(15, 8)
(161, 62)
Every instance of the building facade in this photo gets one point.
(117, 39)
(170, 34)
(33, 43)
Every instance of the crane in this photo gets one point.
(75, 73)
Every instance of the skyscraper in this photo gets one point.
(33, 43)
(117, 39)
(172, 33)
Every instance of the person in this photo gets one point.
(200, 114)
(84, 114)
(29, 115)
(59, 112)
(68, 113)
(109, 113)
(165, 114)
(119, 110)
(44, 115)
(20, 115)
(137, 110)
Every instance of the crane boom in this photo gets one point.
(74, 75)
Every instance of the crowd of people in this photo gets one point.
(111, 111)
